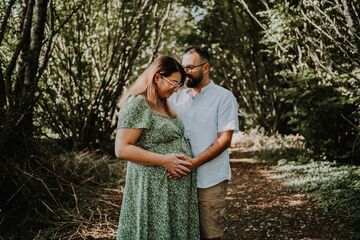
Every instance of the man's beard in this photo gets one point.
(194, 81)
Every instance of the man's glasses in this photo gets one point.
(174, 84)
(189, 68)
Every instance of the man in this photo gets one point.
(209, 113)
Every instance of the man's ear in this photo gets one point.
(207, 68)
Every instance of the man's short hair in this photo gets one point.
(203, 53)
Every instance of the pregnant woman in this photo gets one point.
(151, 138)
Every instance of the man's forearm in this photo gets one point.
(215, 149)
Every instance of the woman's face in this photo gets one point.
(166, 86)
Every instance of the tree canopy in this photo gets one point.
(292, 65)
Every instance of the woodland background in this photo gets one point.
(293, 66)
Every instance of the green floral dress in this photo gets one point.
(154, 206)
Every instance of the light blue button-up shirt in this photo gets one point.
(211, 111)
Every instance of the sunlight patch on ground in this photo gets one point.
(255, 140)
(282, 201)
(243, 160)
(313, 175)
(298, 200)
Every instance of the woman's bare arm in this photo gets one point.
(126, 149)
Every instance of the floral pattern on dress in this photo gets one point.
(155, 206)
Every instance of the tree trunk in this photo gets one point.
(32, 66)
(18, 99)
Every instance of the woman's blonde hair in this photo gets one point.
(145, 84)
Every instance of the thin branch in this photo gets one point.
(25, 36)
(67, 19)
(5, 20)
(49, 48)
(242, 2)
(159, 33)
(334, 26)
(348, 18)
(356, 13)
(325, 33)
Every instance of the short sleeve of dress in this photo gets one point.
(135, 113)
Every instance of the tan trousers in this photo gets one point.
(212, 210)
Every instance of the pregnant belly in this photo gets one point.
(176, 146)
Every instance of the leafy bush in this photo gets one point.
(313, 45)
(323, 116)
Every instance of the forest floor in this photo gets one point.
(260, 207)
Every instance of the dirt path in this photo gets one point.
(258, 207)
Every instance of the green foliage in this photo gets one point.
(335, 186)
(321, 114)
(237, 61)
(277, 148)
(97, 53)
(23, 43)
(179, 24)
(315, 47)
(273, 155)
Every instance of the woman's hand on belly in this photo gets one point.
(190, 166)
(175, 165)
